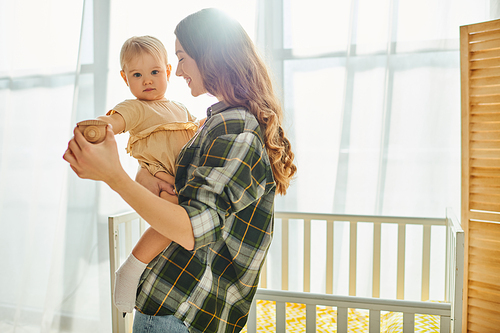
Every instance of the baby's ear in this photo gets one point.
(169, 71)
(124, 77)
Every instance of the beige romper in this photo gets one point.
(158, 131)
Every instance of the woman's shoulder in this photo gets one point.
(233, 120)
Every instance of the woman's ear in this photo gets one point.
(169, 71)
(124, 77)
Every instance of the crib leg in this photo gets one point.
(444, 324)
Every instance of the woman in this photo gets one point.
(227, 177)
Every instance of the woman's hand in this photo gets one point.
(154, 184)
(95, 161)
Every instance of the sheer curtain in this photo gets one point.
(59, 64)
(371, 94)
(371, 91)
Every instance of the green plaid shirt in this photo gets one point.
(225, 183)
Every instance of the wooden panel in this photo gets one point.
(482, 73)
(483, 27)
(485, 55)
(482, 36)
(484, 153)
(493, 99)
(487, 163)
(481, 181)
(486, 145)
(485, 117)
(488, 81)
(488, 90)
(484, 206)
(486, 294)
(486, 63)
(484, 216)
(484, 108)
(485, 190)
(485, 126)
(486, 45)
(480, 84)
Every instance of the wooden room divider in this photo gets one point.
(480, 84)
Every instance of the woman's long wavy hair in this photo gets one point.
(232, 69)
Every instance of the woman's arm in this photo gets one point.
(101, 162)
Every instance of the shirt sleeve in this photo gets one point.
(231, 176)
(132, 113)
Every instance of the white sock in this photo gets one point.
(126, 280)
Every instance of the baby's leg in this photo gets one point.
(147, 248)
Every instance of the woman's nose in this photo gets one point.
(178, 71)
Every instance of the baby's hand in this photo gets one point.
(167, 195)
(154, 184)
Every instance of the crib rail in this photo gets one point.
(343, 303)
(449, 312)
(353, 221)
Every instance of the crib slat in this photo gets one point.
(426, 262)
(341, 320)
(400, 294)
(374, 321)
(263, 275)
(284, 254)
(408, 322)
(353, 244)
(280, 316)
(307, 255)
(310, 318)
(329, 256)
(376, 260)
(128, 237)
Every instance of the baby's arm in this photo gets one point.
(116, 120)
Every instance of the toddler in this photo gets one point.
(158, 129)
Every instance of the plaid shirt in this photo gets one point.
(225, 183)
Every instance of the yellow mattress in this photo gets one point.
(326, 319)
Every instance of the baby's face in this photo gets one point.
(147, 77)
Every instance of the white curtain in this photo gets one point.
(371, 91)
(370, 88)
(59, 64)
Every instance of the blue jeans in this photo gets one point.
(158, 324)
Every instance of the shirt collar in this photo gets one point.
(216, 108)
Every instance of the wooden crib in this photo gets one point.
(347, 311)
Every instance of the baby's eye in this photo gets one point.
(137, 74)
(155, 72)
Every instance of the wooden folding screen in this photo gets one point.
(480, 81)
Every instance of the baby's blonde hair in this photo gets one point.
(138, 45)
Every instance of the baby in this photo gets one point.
(158, 129)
